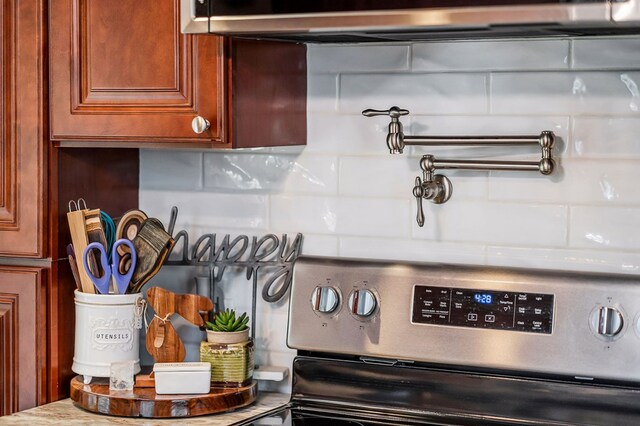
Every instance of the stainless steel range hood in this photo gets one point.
(535, 18)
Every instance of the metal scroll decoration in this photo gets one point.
(253, 253)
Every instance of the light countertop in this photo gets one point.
(64, 412)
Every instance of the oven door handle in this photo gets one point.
(383, 361)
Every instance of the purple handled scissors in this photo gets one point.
(111, 270)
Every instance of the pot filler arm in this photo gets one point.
(438, 188)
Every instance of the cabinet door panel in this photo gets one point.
(122, 70)
(8, 364)
(22, 338)
(21, 139)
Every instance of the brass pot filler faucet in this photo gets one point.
(437, 188)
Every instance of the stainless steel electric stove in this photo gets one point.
(393, 343)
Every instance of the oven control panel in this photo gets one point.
(581, 325)
(501, 310)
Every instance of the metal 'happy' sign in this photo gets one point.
(251, 253)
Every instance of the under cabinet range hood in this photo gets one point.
(405, 20)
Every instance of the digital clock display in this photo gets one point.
(483, 298)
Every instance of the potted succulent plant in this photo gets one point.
(227, 329)
(229, 349)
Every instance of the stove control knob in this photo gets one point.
(324, 299)
(362, 303)
(610, 321)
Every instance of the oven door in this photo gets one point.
(342, 391)
(295, 17)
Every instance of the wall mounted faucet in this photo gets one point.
(438, 188)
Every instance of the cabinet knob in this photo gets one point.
(200, 124)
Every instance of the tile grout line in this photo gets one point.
(489, 89)
(570, 55)
(202, 172)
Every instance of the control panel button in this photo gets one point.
(490, 318)
(362, 302)
(472, 317)
(325, 299)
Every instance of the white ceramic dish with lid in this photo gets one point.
(181, 378)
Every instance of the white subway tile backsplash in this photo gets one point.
(529, 187)
(393, 176)
(208, 209)
(412, 250)
(389, 176)
(268, 337)
(343, 216)
(614, 262)
(532, 225)
(491, 55)
(572, 93)
(605, 228)
(345, 58)
(606, 53)
(269, 172)
(606, 137)
(304, 214)
(576, 182)
(347, 134)
(464, 93)
(156, 167)
(319, 245)
(322, 93)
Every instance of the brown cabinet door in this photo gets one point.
(22, 339)
(122, 73)
(21, 140)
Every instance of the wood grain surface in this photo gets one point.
(163, 342)
(143, 402)
(106, 179)
(22, 341)
(124, 72)
(23, 148)
(268, 93)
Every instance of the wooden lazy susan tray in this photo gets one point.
(143, 402)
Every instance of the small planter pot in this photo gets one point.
(232, 364)
(227, 338)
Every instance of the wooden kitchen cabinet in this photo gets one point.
(36, 183)
(22, 151)
(22, 338)
(122, 74)
(23, 213)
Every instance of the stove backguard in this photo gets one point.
(582, 326)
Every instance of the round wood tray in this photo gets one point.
(143, 402)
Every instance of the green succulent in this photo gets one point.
(226, 321)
